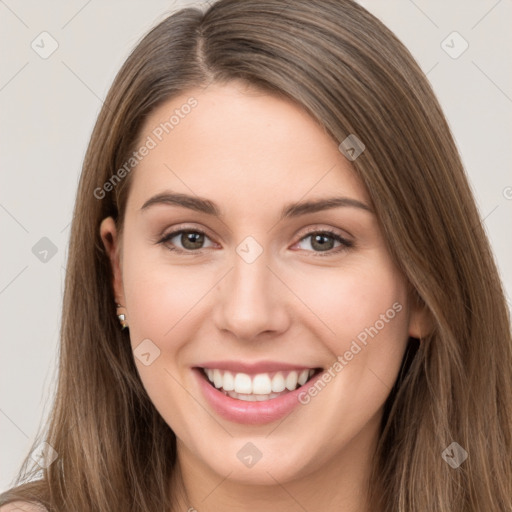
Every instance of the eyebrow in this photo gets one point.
(291, 210)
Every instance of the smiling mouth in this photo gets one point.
(258, 387)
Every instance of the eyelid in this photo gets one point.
(334, 232)
(345, 243)
(185, 227)
(179, 229)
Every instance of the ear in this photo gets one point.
(420, 318)
(110, 238)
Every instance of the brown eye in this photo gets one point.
(322, 242)
(186, 240)
(191, 240)
(327, 242)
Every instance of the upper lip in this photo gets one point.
(253, 367)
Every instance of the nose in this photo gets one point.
(251, 301)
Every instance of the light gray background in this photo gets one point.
(48, 108)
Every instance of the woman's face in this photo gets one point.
(281, 269)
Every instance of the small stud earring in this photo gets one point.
(121, 316)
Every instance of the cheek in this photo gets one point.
(361, 316)
(161, 301)
(159, 294)
(360, 312)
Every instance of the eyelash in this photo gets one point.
(345, 244)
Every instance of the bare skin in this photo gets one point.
(299, 301)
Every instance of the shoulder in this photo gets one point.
(22, 506)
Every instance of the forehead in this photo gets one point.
(237, 145)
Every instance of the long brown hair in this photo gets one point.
(333, 58)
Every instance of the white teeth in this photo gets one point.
(261, 384)
(217, 378)
(278, 383)
(258, 387)
(229, 382)
(243, 383)
(248, 398)
(291, 380)
(303, 377)
(251, 398)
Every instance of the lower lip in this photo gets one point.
(251, 413)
